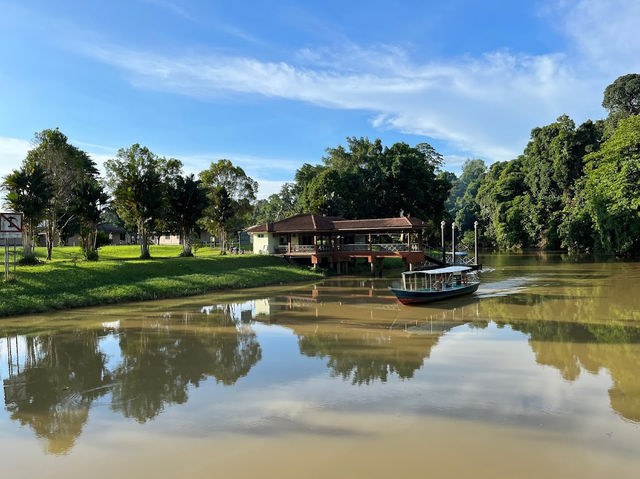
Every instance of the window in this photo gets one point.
(167, 237)
(260, 236)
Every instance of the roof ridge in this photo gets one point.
(313, 221)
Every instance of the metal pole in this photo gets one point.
(475, 234)
(6, 259)
(444, 255)
(453, 243)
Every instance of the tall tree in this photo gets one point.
(221, 180)
(622, 97)
(187, 201)
(138, 179)
(65, 167)
(612, 190)
(218, 214)
(87, 201)
(368, 180)
(29, 193)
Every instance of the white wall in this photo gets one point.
(264, 243)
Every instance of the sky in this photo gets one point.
(271, 85)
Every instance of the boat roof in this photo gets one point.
(448, 269)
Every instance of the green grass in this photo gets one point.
(126, 252)
(60, 284)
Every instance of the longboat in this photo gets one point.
(435, 284)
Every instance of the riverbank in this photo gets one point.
(66, 282)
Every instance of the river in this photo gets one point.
(537, 374)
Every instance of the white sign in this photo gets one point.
(11, 223)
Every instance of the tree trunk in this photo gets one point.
(49, 240)
(223, 248)
(186, 243)
(27, 242)
(144, 244)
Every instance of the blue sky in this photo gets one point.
(270, 86)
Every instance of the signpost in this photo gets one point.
(10, 227)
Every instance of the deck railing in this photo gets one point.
(349, 248)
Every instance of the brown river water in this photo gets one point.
(537, 374)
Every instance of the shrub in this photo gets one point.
(29, 260)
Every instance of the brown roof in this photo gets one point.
(378, 223)
(312, 222)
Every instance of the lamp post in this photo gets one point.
(453, 243)
(475, 234)
(442, 223)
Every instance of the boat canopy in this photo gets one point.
(448, 269)
(459, 253)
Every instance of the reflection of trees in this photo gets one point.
(366, 356)
(62, 375)
(158, 366)
(570, 347)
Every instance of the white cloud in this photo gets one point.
(482, 106)
(604, 33)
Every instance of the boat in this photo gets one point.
(435, 284)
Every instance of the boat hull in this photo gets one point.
(417, 296)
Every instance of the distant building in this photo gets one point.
(333, 240)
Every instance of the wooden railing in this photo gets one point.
(349, 248)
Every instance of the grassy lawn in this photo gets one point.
(60, 284)
(67, 253)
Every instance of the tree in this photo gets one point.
(187, 201)
(368, 180)
(138, 179)
(224, 181)
(217, 215)
(88, 199)
(612, 190)
(65, 167)
(622, 97)
(29, 193)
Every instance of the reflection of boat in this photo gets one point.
(435, 284)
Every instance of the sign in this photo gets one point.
(10, 222)
(10, 225)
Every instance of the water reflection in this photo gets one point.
(54, 378)
(51, 392)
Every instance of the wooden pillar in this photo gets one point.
(420, 239)
(372, 262)
(289, 243)
(409, 240)
(315, 243)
